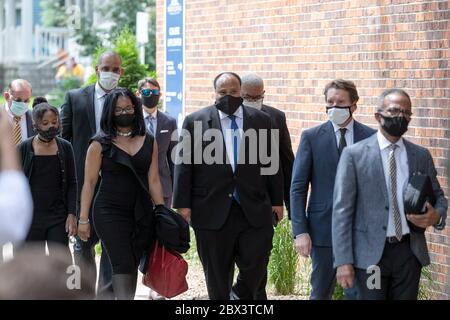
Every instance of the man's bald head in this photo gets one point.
(19, 90)
(19, 85)
(109, 54)
(227, 83)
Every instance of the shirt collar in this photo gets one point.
(239, 113)
(385, 143)
(349, 126)
(99, 92)
(153, 114)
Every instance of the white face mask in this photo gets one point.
(108, 80)
(338, 115)
(18, 108)
(254, 104)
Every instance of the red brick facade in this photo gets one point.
(298, 46)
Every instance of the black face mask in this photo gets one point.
(229, 104)
(48, 135)
(395, 126)
(150, 102)
(124, 120)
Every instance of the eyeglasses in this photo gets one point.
(395, 112)
(253, 98)
(150, 92)
(118, 111)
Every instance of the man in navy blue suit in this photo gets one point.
(315, 166)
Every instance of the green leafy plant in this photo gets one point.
(283, 274)
(426, 285)
(125, 45)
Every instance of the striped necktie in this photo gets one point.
(17, 131)
(393, 184)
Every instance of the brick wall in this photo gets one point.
(298, 46)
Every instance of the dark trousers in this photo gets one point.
(236, 242)
(54, 236)
(400, 275)
(323, 276)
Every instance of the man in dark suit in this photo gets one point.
(252, 91)
(80, 118)
(375, 243)
(229, 199)
(18, 97)
(315, 165)
(161, 126)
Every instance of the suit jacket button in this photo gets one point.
(384, 228)
(230, 195)
(387, 208)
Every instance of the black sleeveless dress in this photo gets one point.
(122, 210)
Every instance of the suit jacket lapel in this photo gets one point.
(214, 123)
(411, 157)
(377, 164)
(330, 141)
(159, 120)
(90, 103)
(357, 132)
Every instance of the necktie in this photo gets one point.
(150, 125)
(342, 142)
(17, 131)
(393, 182)
(234, 127)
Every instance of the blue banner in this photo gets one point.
(174, 59)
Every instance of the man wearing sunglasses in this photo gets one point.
(161, 126)
(315, 166)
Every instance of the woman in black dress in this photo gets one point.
(127, 159)
(48, 162)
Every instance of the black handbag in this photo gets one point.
(418, 191)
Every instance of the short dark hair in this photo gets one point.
(151, 81)
(345, 85)
(40, 109)
(389, 92)
(108, 129)
(224, 73)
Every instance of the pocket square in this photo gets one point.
(164, 131)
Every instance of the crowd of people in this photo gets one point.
(96, 168)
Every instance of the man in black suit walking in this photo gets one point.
(252, 91)
(229, 197)
(80, 118)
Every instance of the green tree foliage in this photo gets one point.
(125, 45)
(53, 13)
(122, 15)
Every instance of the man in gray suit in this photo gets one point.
(161, 126)
(375, 245)
(315, 165)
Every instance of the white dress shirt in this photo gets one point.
(401, 161)
(16, 207)
(154, 119)
(99, 101)
(227, 132)
(23, 122)
(348, 133)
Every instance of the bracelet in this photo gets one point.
(83, 221)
